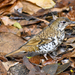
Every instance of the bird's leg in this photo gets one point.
(54, 56)
(45, 56)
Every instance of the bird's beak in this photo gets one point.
(72, 22)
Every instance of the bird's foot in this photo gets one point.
(54, 57)
(45, 56)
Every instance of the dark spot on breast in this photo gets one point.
(52, 39)
(58, 37)
(53, 43)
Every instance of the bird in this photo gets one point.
(47, 40)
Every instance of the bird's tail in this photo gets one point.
(25, 48)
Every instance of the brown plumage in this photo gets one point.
(47, 40)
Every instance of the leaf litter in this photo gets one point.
(32, 18)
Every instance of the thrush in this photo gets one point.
(47, 40)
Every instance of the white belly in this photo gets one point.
(49, 47)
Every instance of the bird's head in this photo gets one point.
(62, 22)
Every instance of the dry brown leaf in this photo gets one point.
(15, 6)
(48, 62)
(33, 70)
(73, 64)
(9, 64)
(9, 42)
(2, 69)
(14, 30)
(68, 55)
(6, 2)
(18, 69)
(50, 69)
(29, 8)
(2, 10)
(59, 9)
(7, 21)
(36, 59)
(71, 41)
(28, 64)
(70, 15)
(64, 3)
(12, 1)
(41, 12)
(73, 45)
(27, 31)
(25, 22)
(72, 54)
(62, 67)
(46, 4)
(30, 30)
(11, 8)
(64, 73)
(3, 58)
(4, 5)
(11, 29)
(3, 28)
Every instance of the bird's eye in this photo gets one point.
(64, 21)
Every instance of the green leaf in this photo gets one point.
(29, 57)
(16, 24)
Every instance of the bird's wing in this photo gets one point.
(38, 41)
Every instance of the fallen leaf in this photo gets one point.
(71, 42)
(9, 42)
(41, 12)
(48, 62)
(2, 69)
(70, 15)
(46, 4)
(30, 30)
(61, 68)
(29, 8)
(3, 28)
(50, 69)
(59, 9)
(9, 64)
(64, 3)
(15, 6)
(10, 29)
(10, 7)
(16, 24)
(26, 23)
(28, 64)
(18, 69)
(73, 64)
(14, 30)
(72, 54)
(64, 73)
(36, 59)
(33, 69)
(3, 58)
(6, 2)
(7, 21)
